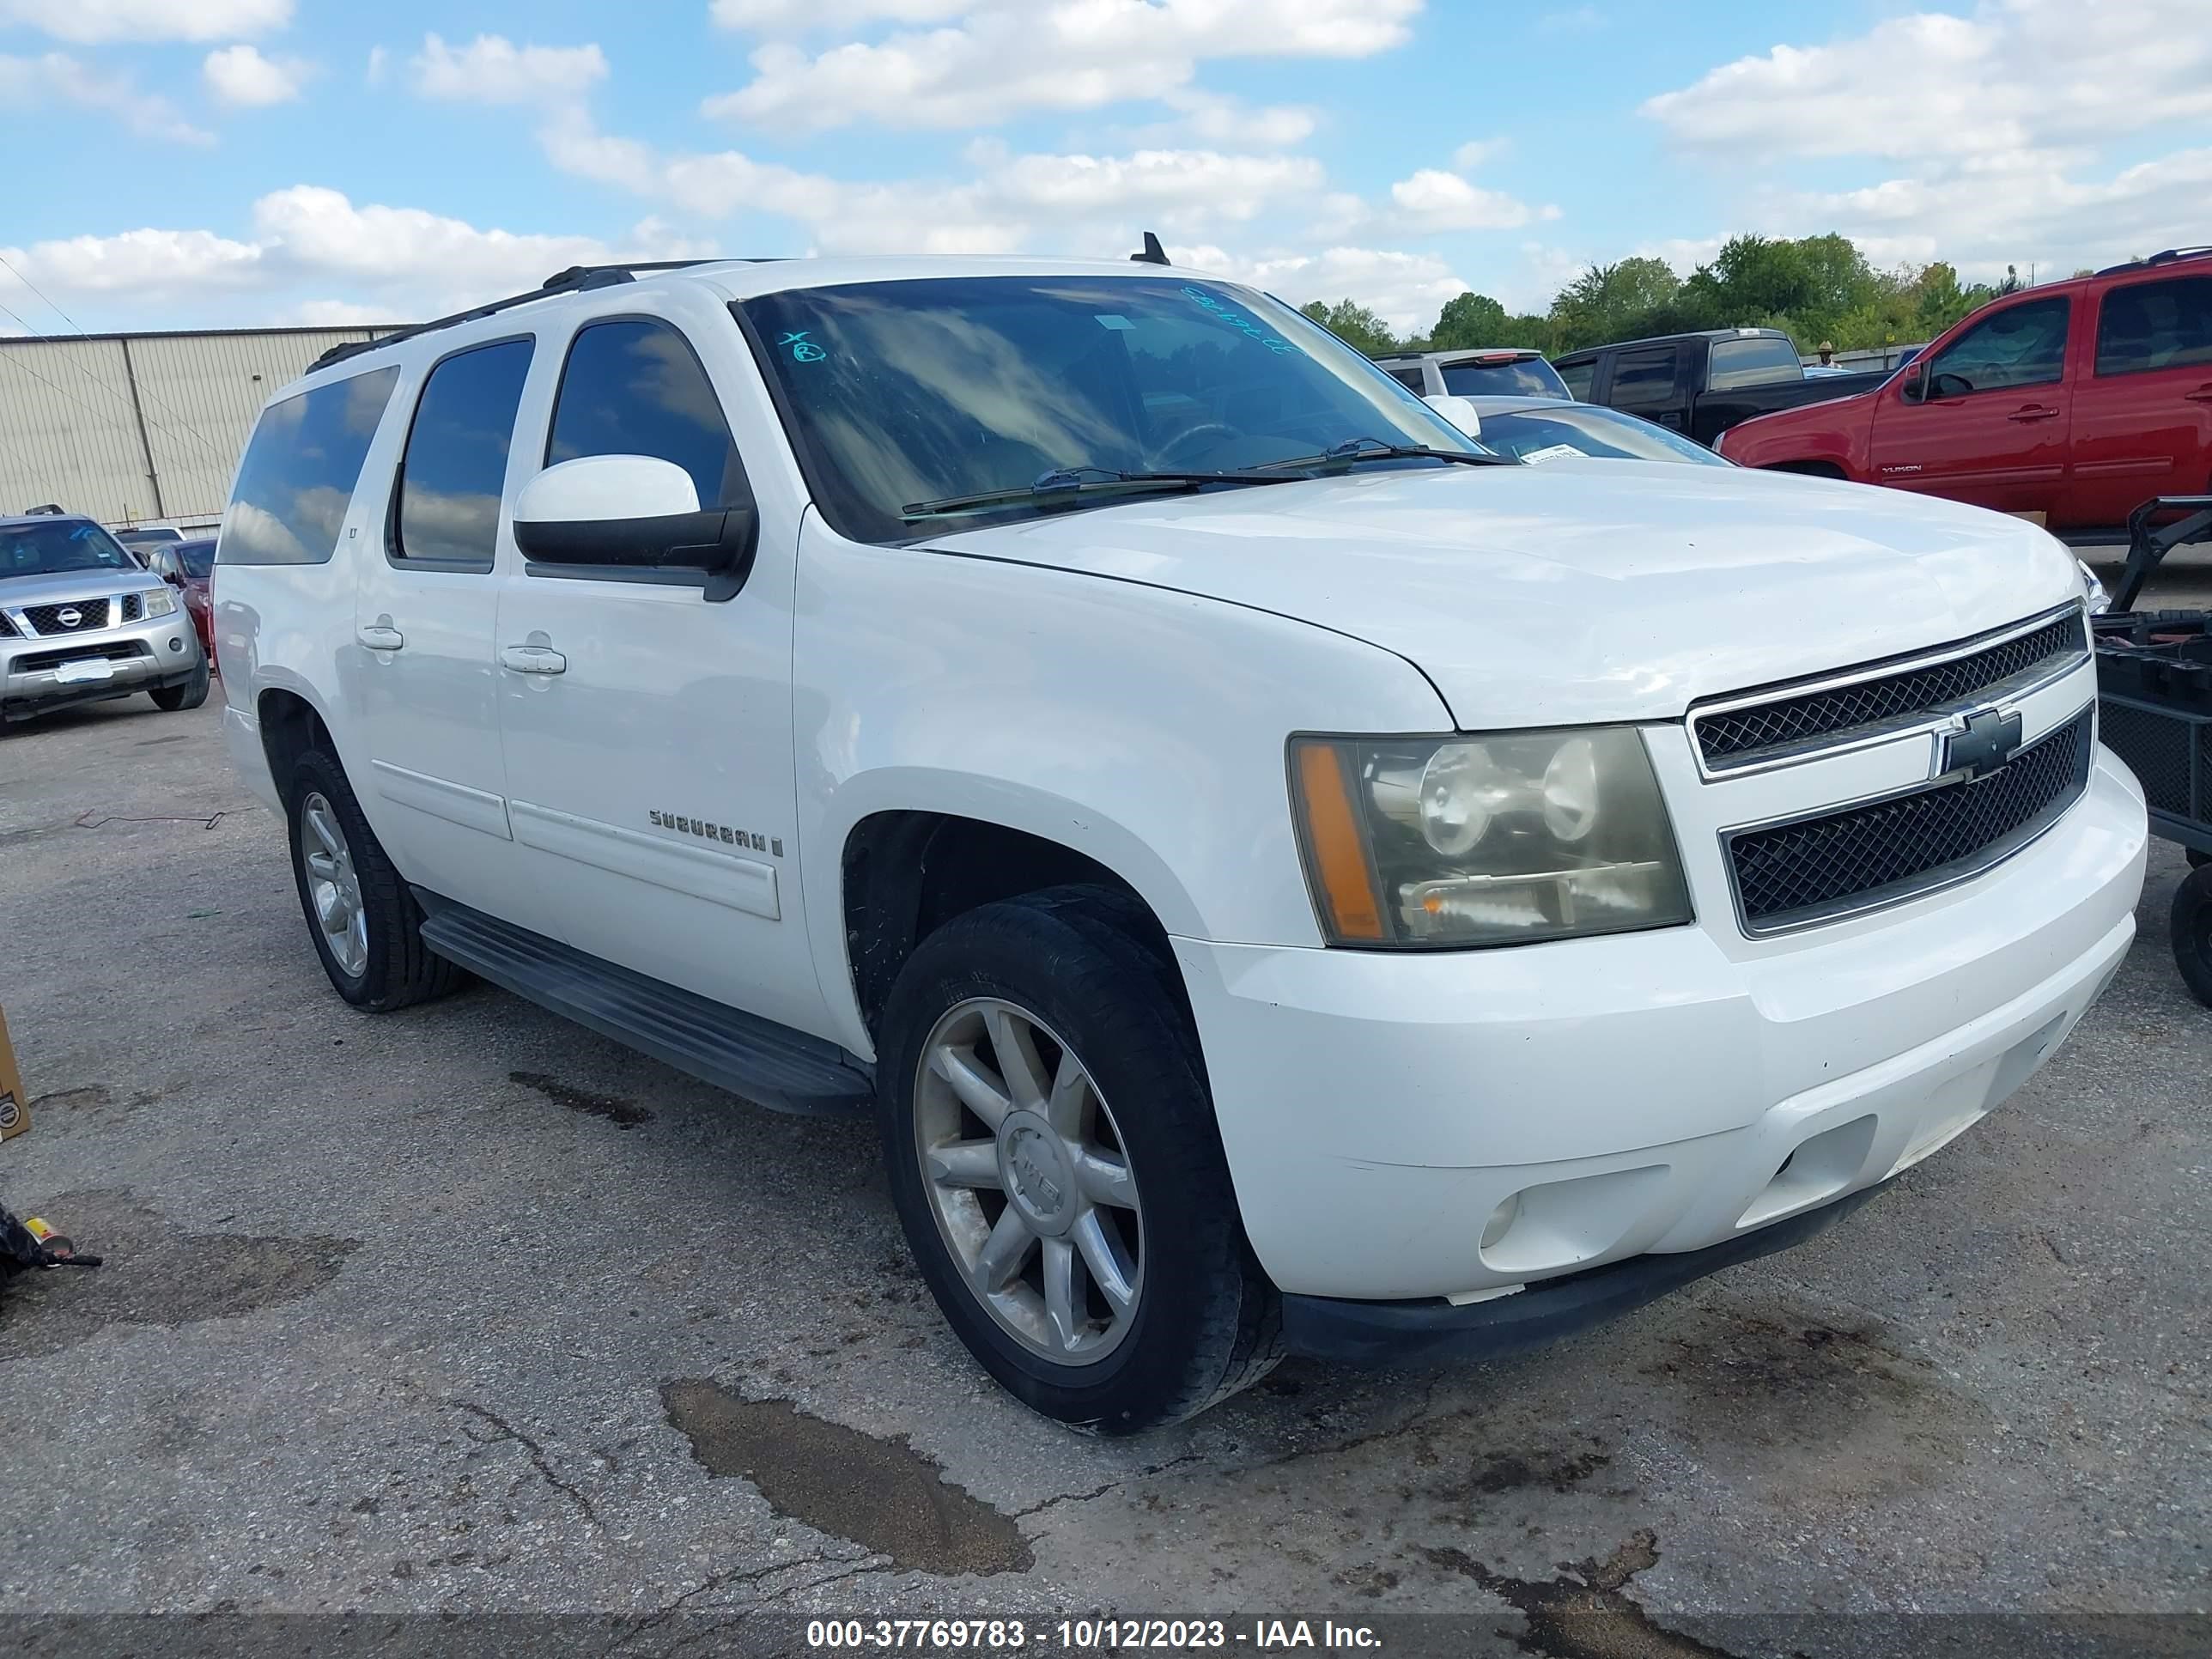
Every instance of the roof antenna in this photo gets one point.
(1154, 254)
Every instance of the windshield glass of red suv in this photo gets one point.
(905, 391)
(57, 549)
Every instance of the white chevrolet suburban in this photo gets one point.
(1287, 879)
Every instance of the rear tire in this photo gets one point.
(1119, 1164)
(2197, 860)
(365, 923)
(169, 699)
(2192, 933)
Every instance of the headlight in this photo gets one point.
(1434, 842)
(160, 602)
(2094, 590)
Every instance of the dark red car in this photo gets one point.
(188, 567)
(2070, 403)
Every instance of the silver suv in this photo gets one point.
(81, 620)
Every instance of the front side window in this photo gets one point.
(300, 470)
(2153, 325)
(1644, 377)
(60, 548)
(1504, 377)
(2022, 345)
(454, 470)
(1758, 359)
(906, 394)
(636, 387)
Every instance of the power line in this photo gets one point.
(204, 441)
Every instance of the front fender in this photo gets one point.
(1142, 727)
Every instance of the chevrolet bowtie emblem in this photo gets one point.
(1989, 739)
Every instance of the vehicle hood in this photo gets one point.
(16, 592)
(1544, 595)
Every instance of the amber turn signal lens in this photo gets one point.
(1338, 868)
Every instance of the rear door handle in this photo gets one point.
(381, 636)
(2033, 412)
(533, 659)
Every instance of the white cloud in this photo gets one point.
(1993, 123)
(2016, 74)
(378, 58)
(1435, 200)
(793, 16)
(1407, 290)
(1214, 119)
(242, 77)
(1067, 203)
(56, 77)
(88, 22)
(395, 261)
(1469, 156)
(493, 69)
(1007, 56)
(338, 314)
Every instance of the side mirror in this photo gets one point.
(634, 512)
(1914, 386)
(1460, 412)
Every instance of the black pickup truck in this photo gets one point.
(1703, 384)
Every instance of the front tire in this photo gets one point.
(1053, 1153)
(365, 923)
(2192, 933)
(169, 699)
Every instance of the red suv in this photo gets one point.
(2072, 404)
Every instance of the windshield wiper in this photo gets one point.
(1353, 452)
(1080, 481)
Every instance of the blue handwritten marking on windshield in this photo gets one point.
(803, 351)
(1238, 320)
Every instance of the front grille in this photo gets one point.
(45, 620)
(1816, 869)
(120, 650)
(134, 607)
(1733, 737)
(7, 628)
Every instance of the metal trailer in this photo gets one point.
(2155, 712)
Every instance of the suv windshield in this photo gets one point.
(57, 549)
(928, 391)
(1503, 376)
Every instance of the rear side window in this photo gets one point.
(1578, 378)
(1409, 377)
(454, 472)
(2152, 326)
(1643, 377)
(1504, 377)
(1759, 360)
(300, 470)
(636, 387)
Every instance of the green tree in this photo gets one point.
(1638, 295)
(1468, 320)
(1355, 324)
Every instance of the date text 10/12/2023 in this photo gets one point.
(996, 1636)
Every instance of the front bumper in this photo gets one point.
(1662, 1093)
(143, 656)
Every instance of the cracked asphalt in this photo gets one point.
(466, 1309)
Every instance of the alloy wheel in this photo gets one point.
(1025, 1172)
(333, 887)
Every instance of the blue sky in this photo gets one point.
(177, 163)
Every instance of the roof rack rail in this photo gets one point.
(2165, 257)
(576, 279)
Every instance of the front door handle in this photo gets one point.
(2202, 395)
(381, 636)
(2033, 412)
(533, 659)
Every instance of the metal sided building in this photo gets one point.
(138, 429)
